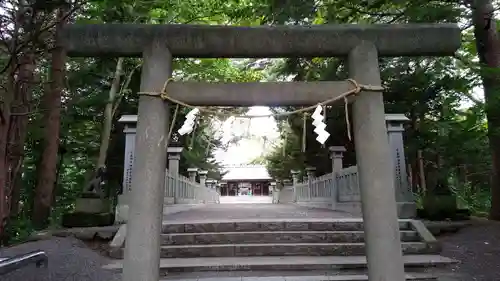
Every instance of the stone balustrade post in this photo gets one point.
(203, 177)
(310, 177)
(295, 179)
(192, 174)
(210, 183)
(174, 157)
(295, 176)
(337, 155)
(273, 191)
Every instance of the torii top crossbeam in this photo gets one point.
(211, 41)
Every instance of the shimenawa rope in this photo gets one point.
(357, 88)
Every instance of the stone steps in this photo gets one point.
(283, 245)
(310, 277)
(283, 263)
(274, 237)
(271, 225)
(282, 249)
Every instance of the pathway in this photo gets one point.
(246, 199)
(243, 210)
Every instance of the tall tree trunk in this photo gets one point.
(47, 167)
(4, 163)
(488, 50)
(21, 107)
(108, 115)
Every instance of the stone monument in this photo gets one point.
(92, 208)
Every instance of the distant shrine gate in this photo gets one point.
(362, 45)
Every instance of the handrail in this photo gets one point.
(11, 264)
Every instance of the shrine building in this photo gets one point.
(241, 179)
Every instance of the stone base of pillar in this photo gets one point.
(318, 202)
(407, 210)
(169, 200)
(286, 195)
(121, 210)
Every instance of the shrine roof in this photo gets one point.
(245, 172)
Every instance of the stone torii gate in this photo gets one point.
(362, 45)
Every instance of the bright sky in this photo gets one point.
(248, 148)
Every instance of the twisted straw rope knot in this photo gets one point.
(359, 87)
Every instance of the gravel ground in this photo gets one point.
(69, 260)
(477, 247)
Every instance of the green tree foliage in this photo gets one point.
(429, 91)
(447, 121)
(88, 84)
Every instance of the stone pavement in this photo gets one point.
(246, 199)
(244, 211)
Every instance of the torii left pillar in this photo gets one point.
(142, 256)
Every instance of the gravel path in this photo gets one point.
(477, 247)
(69, 260)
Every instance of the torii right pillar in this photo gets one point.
(375, 169)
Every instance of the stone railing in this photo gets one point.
(318, 191)
(343, 187)
(181, 190)
(302, 192)
(347, 185)
(340, 190)
(323, 187)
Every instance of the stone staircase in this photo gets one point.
(323, 248)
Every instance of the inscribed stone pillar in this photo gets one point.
(375, 169)
(203, 177)
(142, 245)
(337, 154)
(404, 194)
(174, 157)
(122, 208)
(192, 174)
